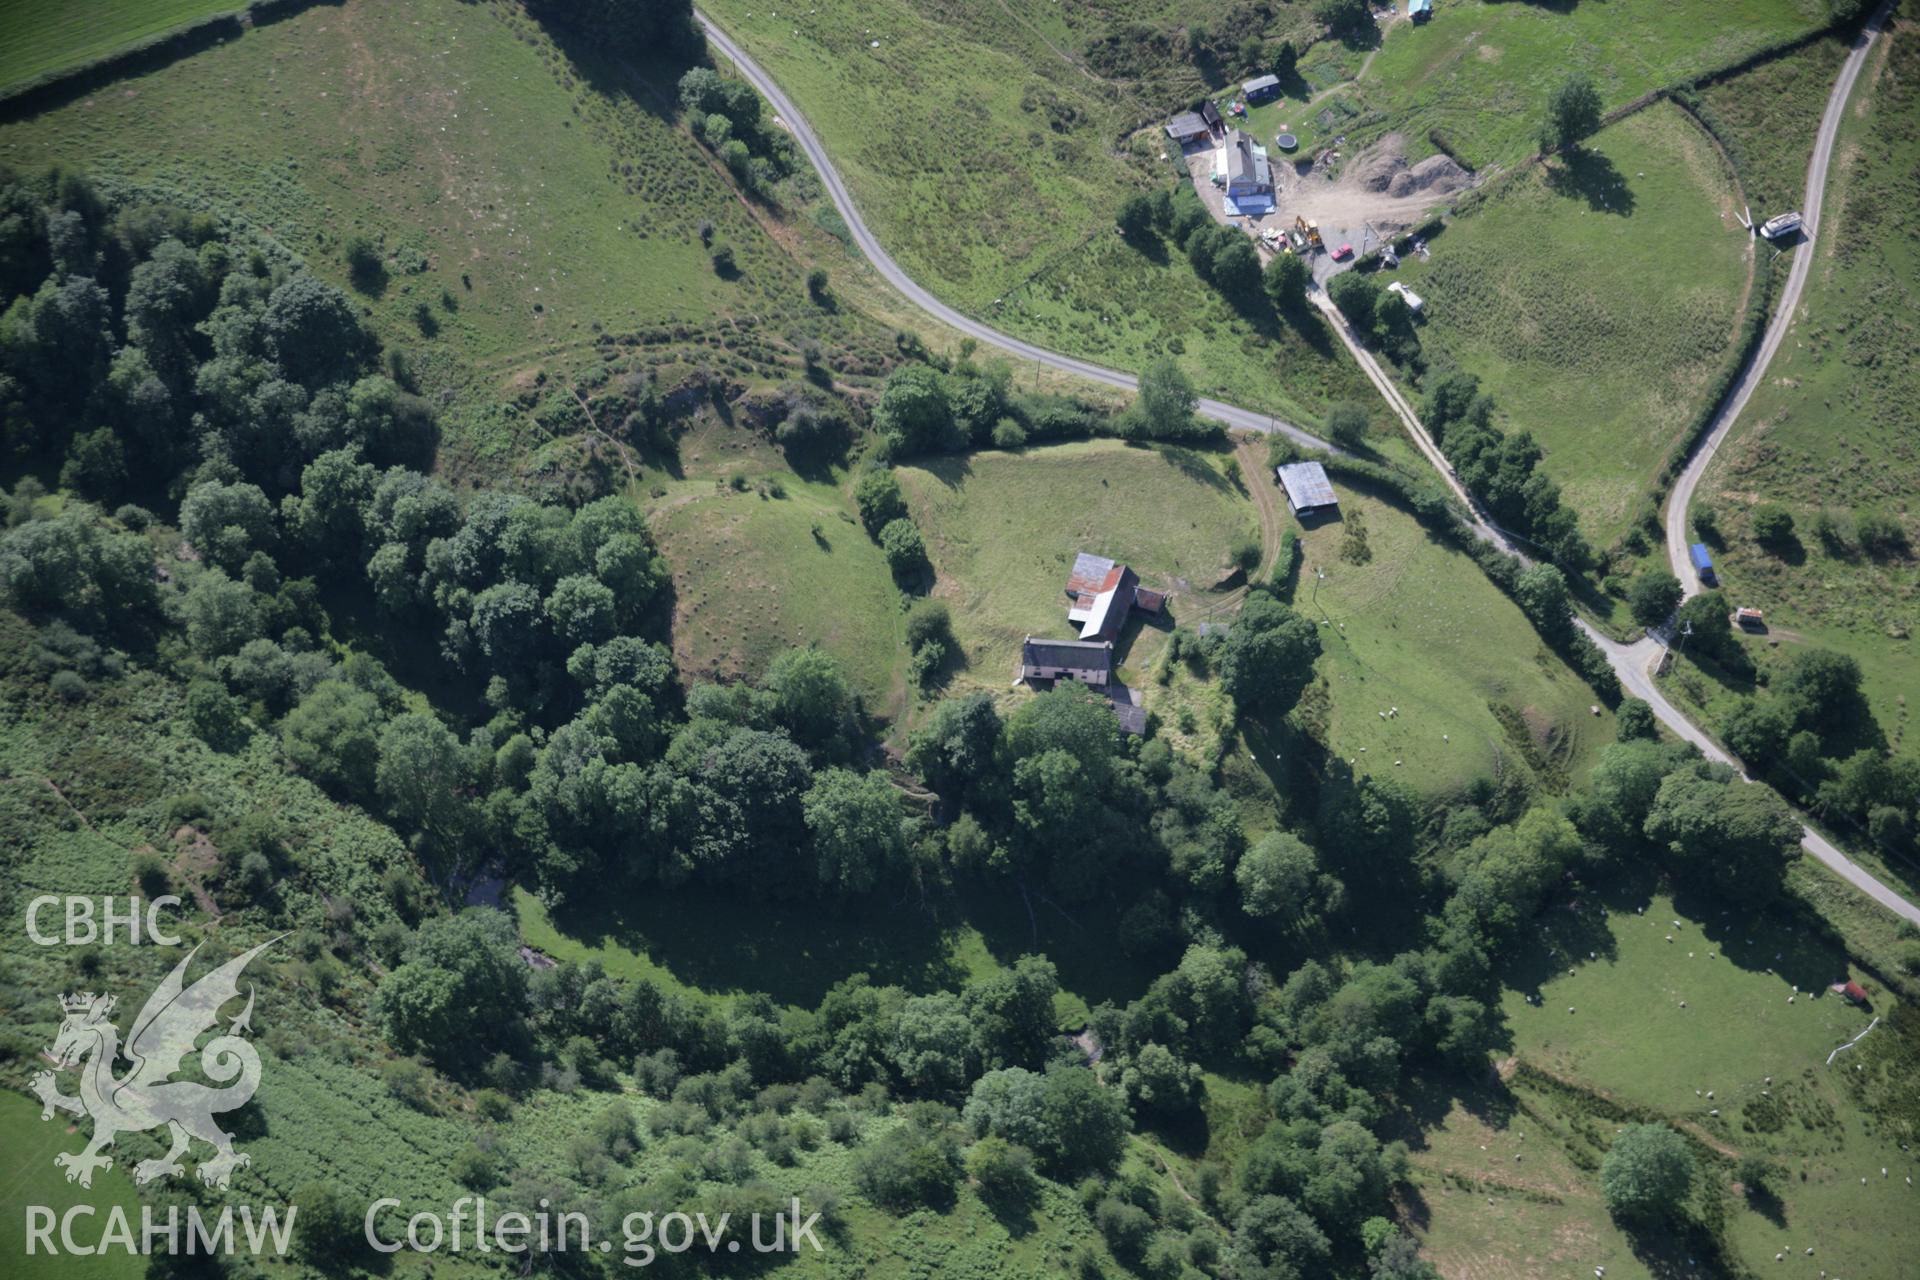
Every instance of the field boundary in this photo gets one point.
(1669, 92)
(53, 89)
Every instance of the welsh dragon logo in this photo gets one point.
(174, 1017)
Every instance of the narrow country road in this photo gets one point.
(1756, 368)
(1633, 663)
(1630, 662)
(803, 134)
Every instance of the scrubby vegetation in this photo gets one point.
(264, 647)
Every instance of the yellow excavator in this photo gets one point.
(1309, 230)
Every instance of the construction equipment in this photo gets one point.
(1310, 231)
(1297, 240)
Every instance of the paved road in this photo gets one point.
(1630, 662)
(803, 134)
(1634, 665)
(1730, 408)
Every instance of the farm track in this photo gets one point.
(1630, 662)
(1783, 316)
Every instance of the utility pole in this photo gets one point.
(1686, 629)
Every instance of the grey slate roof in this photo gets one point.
(1186, 125)
(1081, 655)
(1244, 161)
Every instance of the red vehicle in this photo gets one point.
(1344, 252)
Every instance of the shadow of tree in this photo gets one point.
(1764, 1202)
(1590, 176)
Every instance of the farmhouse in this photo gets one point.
(1242, 163)
(1088, 661)
(1189, 126)
(1309, 492)
(1103, 593)
(1260, 88)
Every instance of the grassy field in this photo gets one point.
(1768, 117)
(524, 212)
(1497, 1206)
(1595, 301)
(1764, 1061)
(1417, 627)
(989, 159)
(1412, 626)
(1837, 424)
(1480, 71)
(755, 574)
(1002, 530)
(32, 1179)
(52, 35)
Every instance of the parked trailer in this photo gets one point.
(1779, 228)
(1702, 562)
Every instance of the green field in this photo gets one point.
(1411, 627)
(1768, 117)
(1480, 71)
(33, 1180)
(525, 213)
(45, 36)
(1763, 1059)
(1002, 530)
(1834, 426)
(756, 574)
(1417, 627)
(1595, 302)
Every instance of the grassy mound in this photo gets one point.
(1002, 530)
(756, 574)
(1414, 625)
(1595, 299)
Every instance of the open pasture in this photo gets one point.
(1738, 1048)
(1479, 72)
(1595, 299)
(1414, 629)
(47, 36)
(1835, 429)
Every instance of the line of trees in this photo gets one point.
(1503, 471)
